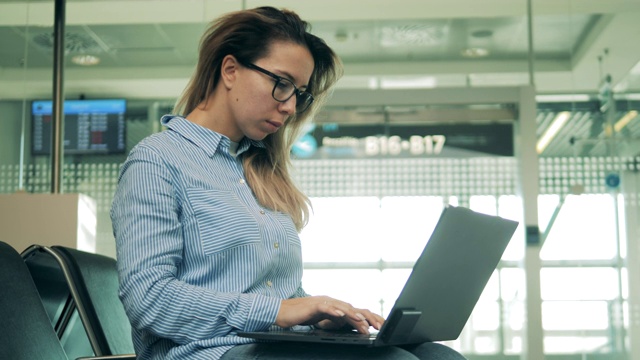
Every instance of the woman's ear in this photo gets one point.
(229, 70)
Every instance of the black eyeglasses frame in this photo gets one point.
(305, 96)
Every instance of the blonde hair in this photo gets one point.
(247, 35)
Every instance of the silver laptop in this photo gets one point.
(442, 290)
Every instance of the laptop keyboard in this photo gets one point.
(349, 334)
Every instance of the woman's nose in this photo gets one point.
(289, 106)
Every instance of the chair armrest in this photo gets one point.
(109, 357)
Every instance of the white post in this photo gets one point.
(630, 187)
(528, 174)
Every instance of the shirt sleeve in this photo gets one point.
(300, 293)
(149, 244)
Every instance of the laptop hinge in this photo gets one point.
(400, 325)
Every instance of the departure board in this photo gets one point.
(90, 126)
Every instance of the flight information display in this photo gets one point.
(90, 126)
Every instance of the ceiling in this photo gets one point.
(148, 48)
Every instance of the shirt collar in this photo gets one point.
(206, 139)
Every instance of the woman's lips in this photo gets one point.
(275, 124)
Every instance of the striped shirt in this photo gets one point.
(199, 258)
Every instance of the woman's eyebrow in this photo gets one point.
(288, 76)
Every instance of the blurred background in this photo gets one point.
(525, 109)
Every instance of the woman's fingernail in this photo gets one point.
(361, 317)
(339, 313)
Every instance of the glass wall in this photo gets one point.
(372, 239)
(372, 216)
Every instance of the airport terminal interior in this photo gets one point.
(526, 109)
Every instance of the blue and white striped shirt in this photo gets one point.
(199, 258)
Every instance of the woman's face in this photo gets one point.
(254, 111)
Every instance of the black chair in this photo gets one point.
(55, 294)
(26, 327)
(93, 282)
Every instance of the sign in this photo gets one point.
(330, 141)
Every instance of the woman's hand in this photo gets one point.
(326, 313)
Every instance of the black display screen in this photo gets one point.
(90, 126)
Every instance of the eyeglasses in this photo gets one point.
(284, 89)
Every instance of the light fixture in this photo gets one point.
(634, 96)
(414, 35)
(85, 60)
(479, 40)
(420, 82)
(553, 129)
(475, 52)
(626, 119)
(563, 98)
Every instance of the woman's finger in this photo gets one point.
(360, 319)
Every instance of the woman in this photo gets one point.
(206, 216)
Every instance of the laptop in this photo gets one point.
(441, 291)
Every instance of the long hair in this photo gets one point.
(247, 35)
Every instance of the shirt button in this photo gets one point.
(262, 212)
(242, 181)
(276, 245)
(269, 283)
